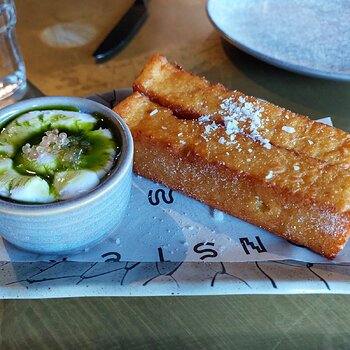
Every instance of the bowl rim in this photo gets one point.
(117, 174)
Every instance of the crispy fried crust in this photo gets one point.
(298, 197)
(191, 97)
(247, 157)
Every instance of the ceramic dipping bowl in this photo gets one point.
(69, 226)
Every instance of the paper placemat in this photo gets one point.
(162, 225)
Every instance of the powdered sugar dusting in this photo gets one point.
(222, 140)
(204, 119)
(288, 129)
(239, 117)
(269, 175)
(333, 223)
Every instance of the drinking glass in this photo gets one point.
(12, 69)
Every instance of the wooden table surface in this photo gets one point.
(57, 39)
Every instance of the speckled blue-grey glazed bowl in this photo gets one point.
(71, 225)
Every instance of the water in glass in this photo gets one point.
(12, 69)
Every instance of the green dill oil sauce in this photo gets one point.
(55, 153)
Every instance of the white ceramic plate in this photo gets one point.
(311, 37)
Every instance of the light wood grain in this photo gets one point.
(240, 322)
